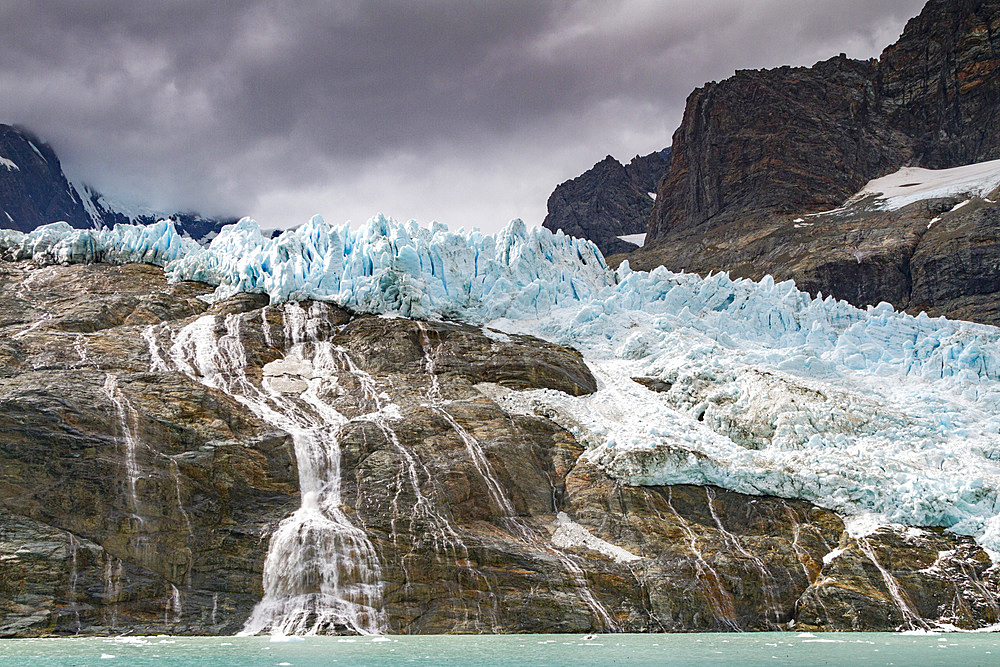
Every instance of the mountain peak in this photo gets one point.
(34, 191)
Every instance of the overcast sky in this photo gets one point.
(465, 112)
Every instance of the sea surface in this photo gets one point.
(674, 649)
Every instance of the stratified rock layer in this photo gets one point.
(138, 498)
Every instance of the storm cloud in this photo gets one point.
(464, 112)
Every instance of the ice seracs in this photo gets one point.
(760, 388)
(58, 242)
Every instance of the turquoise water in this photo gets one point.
(675, 649)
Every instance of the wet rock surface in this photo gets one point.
(140, 490)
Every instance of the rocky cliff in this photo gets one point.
(174, 467)
(608, 200)
(758, 150)
(34, 191)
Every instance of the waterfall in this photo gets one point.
(497, 494)
(719, 599)
(73, 578)
(911, 618)
(768, 585)
(128, 424)
(321, 573)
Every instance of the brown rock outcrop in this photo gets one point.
(758, 151)
(140, 491)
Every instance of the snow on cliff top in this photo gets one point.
(766, 390)
(912, 184)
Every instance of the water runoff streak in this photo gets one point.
(321, 573)
(499, 497)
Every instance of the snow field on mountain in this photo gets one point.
(913, 184)
(761, 388)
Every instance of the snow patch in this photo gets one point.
(864, 525)
(913, 184)
(833, 555)
(498, 336)
(571, 534)
(9, 164)
(637, 239)
(84, 194)
(37, 152)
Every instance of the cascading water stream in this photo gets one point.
(911, 618)
(719, 599)
(128, 426)
(768, 584)
(496, 491)
(321, 573)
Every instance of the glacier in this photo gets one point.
(753, 386)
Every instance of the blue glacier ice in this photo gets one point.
(60, 243)
(772, 391)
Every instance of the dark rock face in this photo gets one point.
(923, 257)
(939, 86)
(34, 192)
(139, 496)
(757, 151)
(608, 200)
(787, 140)
(797, 139)
(33, 189)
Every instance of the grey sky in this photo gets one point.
(464, 112)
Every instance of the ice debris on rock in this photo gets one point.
(760, 388)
